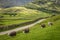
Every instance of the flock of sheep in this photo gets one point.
(27, 29)
(13, 33)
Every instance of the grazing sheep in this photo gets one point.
(43, 25)
(50, 23)
(12, 33)
(1, 16)
(26, 30)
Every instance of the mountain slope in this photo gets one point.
(47, 6)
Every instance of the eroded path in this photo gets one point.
(21, 28)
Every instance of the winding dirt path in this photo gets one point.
(21, 28)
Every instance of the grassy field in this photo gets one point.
(23, 15)
(11, 21)
(38, 33)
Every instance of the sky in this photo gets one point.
(6, 3)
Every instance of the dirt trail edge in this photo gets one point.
(21, 28)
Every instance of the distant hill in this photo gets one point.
(45, 6)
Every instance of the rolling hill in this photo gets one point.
(32, 11)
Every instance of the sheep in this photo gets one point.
(26, 30)
(1, 16)
(12, 33)
(43, 25)
(50, 23)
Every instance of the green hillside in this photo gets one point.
(20, 13)
(48, 6)
(38, 33)
(28, 13)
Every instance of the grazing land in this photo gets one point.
(18, 16)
